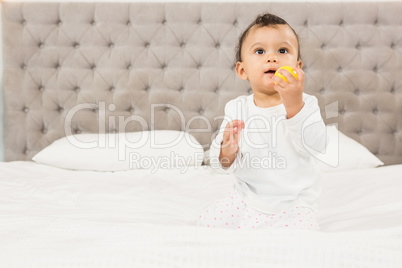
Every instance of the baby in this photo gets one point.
(268, 139)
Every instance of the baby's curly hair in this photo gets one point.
(263, 20)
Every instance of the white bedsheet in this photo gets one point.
(362, 199)
(51, 217)
(167, 196)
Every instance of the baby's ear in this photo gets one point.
(240, 71)
(300, 64)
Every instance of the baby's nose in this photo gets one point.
(272, 59)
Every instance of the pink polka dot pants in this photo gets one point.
(231, 212)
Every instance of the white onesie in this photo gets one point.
(275, 168)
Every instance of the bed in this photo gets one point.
(110, 109)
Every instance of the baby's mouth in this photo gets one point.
(271, 72)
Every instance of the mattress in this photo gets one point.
(52, 217)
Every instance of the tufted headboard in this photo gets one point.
(111, 67)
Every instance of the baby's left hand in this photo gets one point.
(291, 93)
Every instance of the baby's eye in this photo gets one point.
(283, 50)
(259, 51)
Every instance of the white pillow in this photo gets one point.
(123, 151)
(344, 153)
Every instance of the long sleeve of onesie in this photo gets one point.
(275, 167)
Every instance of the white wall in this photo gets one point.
(1, 50)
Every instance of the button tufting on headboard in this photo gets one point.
(106, 61)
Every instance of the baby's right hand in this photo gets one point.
(231, 137)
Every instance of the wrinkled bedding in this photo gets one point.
(51, 217)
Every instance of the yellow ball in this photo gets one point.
(290, 69)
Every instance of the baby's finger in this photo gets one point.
(227, 131)
(241, 124)
(279, 83)
(289, 76)
(232, 140)
(300, 73)
(238, 123)
(237, 129)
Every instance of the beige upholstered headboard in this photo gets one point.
(105, 67)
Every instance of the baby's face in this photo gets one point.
(264, 50)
